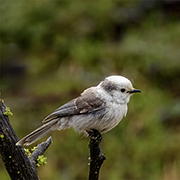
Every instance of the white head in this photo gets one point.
(119, 87)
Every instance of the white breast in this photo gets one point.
(115, 113)
(102, 121)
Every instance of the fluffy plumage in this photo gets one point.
(101, 108)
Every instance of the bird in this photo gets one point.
(100, 107)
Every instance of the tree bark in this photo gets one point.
(16, 162)
(96, 158)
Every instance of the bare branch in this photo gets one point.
(96, 158)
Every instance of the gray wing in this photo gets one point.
(86, 103)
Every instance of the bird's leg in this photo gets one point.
(96, 158)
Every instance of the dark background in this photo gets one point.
(52, 50)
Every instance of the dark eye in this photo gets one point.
(122, 90)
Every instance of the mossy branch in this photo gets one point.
(15, 159)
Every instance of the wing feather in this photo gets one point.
(86, 103)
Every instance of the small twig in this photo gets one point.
(97, 158)
(40, 150)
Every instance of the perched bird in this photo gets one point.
(101, 108)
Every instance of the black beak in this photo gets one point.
(134, 91)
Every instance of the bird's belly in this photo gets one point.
(101, 121)
(113, 117)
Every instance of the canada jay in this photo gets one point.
(100, 108)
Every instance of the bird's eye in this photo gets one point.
(122, 90)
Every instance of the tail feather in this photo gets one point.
(39, 133)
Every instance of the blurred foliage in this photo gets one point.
(52, 50)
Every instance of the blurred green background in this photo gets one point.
(52, 50)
